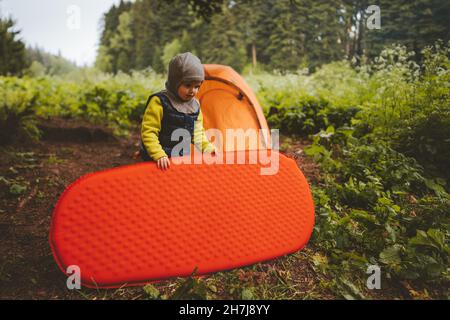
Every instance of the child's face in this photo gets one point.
(188, 90)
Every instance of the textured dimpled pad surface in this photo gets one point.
(136, 224)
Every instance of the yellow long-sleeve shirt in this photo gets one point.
(151, 126)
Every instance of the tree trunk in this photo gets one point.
(254, 54)
(360, 40)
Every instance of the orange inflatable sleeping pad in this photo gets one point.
(136, 224)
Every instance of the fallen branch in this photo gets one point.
(24, 201)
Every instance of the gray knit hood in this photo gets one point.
(184, 67)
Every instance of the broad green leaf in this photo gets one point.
(391, 255)
(151, 291)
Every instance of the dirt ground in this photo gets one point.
(32, 177)
(67, 151)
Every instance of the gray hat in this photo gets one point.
(184, 67)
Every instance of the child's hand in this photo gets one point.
(163, 163)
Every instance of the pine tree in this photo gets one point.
(146, 31)
(122, 44)
(414, 23)
(287, 41)
(107, 56)
(12, 49)
(224, 44)
(250, 17)
(325, 33)
(282, 34)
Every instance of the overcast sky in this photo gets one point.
(69, 26)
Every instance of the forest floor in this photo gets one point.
(34, 174)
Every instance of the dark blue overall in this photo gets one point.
(172, 119)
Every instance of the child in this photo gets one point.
(174, 108)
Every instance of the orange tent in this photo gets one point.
(227, 102)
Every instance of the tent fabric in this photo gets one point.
(227, 102)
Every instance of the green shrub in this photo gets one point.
(17, 111)
(307, 115)
(426, 134)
